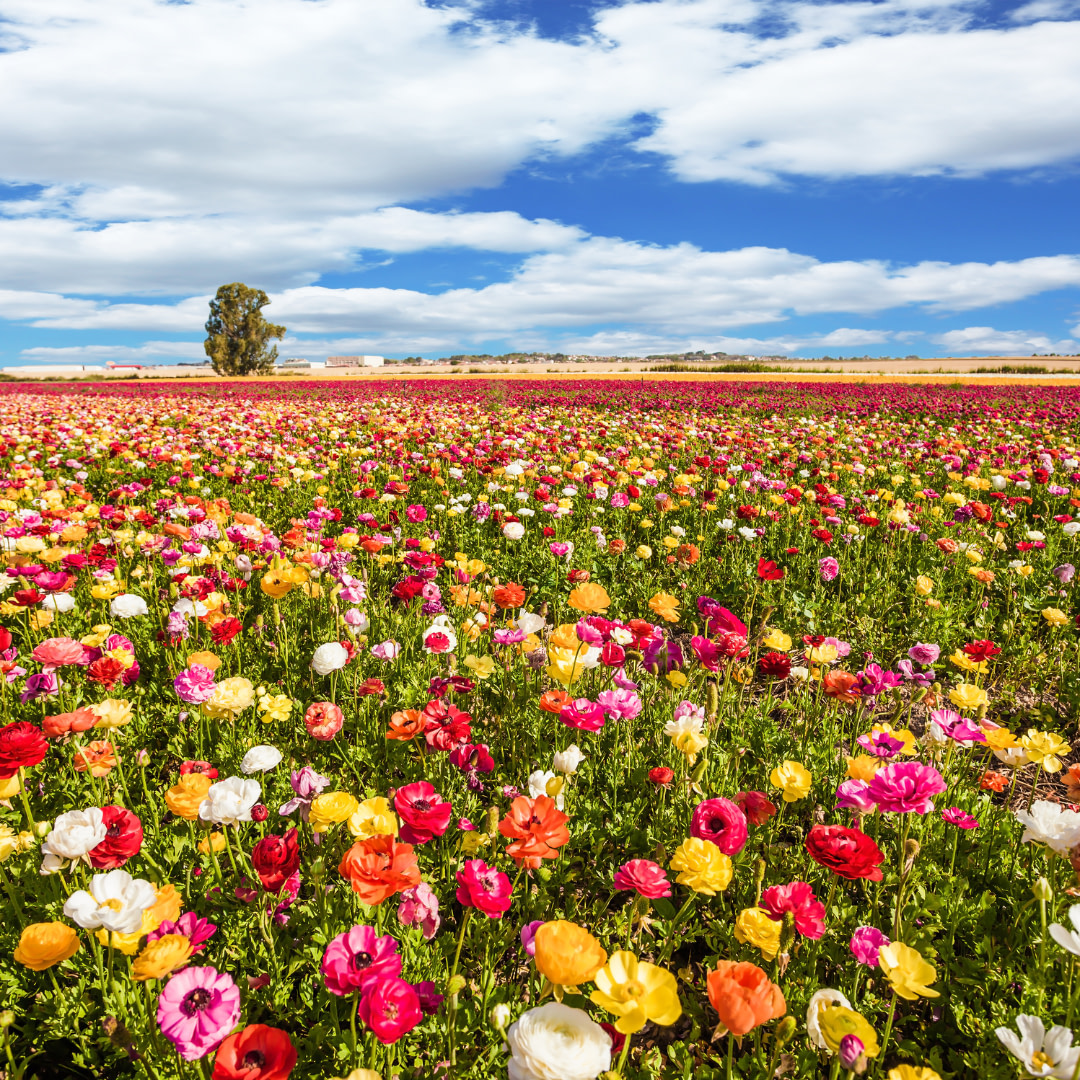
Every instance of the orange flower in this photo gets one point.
(1071, 779)
(379, 867)
(986, 577)
(687, 554)
(567, 954)
(64, 723)
(666, 606)
(205, 659)
(537, 829)
(553, 701)
(995, 781)
(743, 996)
(841, 685)
(97, 756)
(185, 797)
(509, 596)
(616, 546)
(406, 724)
(589, 597)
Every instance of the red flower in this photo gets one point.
(823, 535)
(370, 687)
(445, 725)
(661, 776)
(123, 838)
(981, 650)
(756, 806)
(849, 853)
(776, 665)
(645, 877)
(721, 822)
(390, 1008)
(424, 813)
(224, 631)
(203, 767)
(799, 899)
(256, 1053)
(484, 888)
(27, 597)
(5, 639)
(767, 570)
(276, 859)
(21, 746)
(106, 672)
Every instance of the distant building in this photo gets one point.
(299, 363)
(354, 361)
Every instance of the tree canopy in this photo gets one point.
(238, 336)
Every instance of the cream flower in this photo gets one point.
(230, 801)
(115, 901)
(1041, 1052)
(1050, 824)
(332, 656)
(72, 836)
(556, 1042)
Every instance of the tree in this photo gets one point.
(238, 334)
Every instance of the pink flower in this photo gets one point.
(420, 905)
(583, 714)
(924, 654)
(956, 727)
(798, 898)
(424, 813)
(905, 787)
(619, 704)
(357, 959)
(828, 568)
(415, 513)
(866, 942)
(60, 651)
(955, 816)
(706, 652)
(197, 931)
(855, 795)
(436, 642)
(323, 720)
(391, 1008)
(386, 650)
(472, 758)
(528, 936)
(721, 822)
(484, 888)
(198, 1007)
(880, 744)
(645, 877)
(194, 684)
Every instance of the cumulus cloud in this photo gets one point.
(148, 352)
(985, 339)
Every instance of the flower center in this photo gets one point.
(422, 805)
(254, 1059)
(112, 905)
(195, 1001)
(632, 990)
(360, 961)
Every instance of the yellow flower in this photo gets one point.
(168, 905)
(924, 585)
(373, 817)
(105, 590)
(702, 866)
(754, 926)
(1045, 749)
(330, 808)
(965, 663)
(913, 1072)
(161, 957)
(41, 945)
(1055, 616)
(215, 841)
(968, 696)
(273, 706)
(564, 636)
(666, 606)
(863, 767)
(822, 654)
(480, 666)
(636, 992)
(565, 667)
(792, 780)
(112, 713)
(231, 698)
(1000, 738)
(643, 551)
(691, 743)
(97, 638)
(11, 841)
(836, 1021)
(908, 973)
(676, 678)
(777, 640)
(567, 954)
(910, 748)
(472, 842)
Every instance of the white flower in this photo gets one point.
(747, 533)
(513, 530)
(538, 782)
(1069, 940)
(73, 835)
(60, 601)
(556, 1042)
(128, 606)
(1047, 823)
(260, 759)
(116, 902)
(530, 623)
(187, 608)
(1035, 535)
(813, 1014)
(329, 657)
(1071, 528)
(799, 674)
(568, 760)
(1041, 1053)
(229, 802)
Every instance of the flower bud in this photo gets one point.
(7, 1018)
(850, 1050)
(785, 1030)
(259, 812)
(455, 985)
(911, 850)
(499, 1017)
(1041, 889)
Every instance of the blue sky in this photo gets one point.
(753, 176)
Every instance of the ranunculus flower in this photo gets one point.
(390, 1008)
(332, 656)
(276, 859)
(358, 958)
(556, 1042)
(260, 759)
(743, 996)
(866, 943)
(423, 812)
(21, 746)
(721, 822)
(123, 839)
(567, 954)
(905, 786)
(644, 877)
(323, 720)
(115, 902)
(229, 802)
(196, 1009)
(756, 806)
(258, 1052)
(797, 898)
(43, 945)
(128, 606)
(849, 853)
(419, 905)
(485, 888)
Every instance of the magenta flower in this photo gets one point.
(866, 943)
(359, 958)
(706, 652)
(828, 568)
(424, 813)
(619, 704)
(925, 654)
(197, 931)
(905, 787)
(194, 684)
(512, 636)
(880, 744)
(528, 936)
(855, 795)
(955, 816)
(582, 714)
(390, 1008)
(484, 888)
(799, 899)
(721, 822)
(420, 906)
(956, 727)
(198, 1007)
(644, 877)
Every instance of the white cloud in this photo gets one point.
(671, 292)
(985, 339)
(149, 352)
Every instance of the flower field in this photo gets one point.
(542, 730)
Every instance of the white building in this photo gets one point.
(354, 361)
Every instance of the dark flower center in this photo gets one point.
(716, 824)
(360, 961)
(422, 805)
(197, 1000)
(254, 1059)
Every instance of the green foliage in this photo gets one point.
(238, 335)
